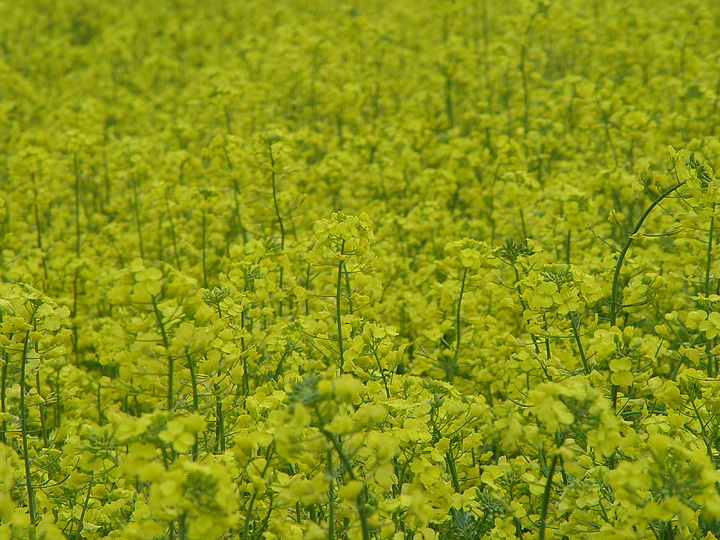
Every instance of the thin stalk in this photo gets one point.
(243, 323)
(522, 223)
(449, 459)
(362, 511)
(606, 125)
(136, 208)
(236, 192)
(307, 286)
(278, 215)
(524, 71)
(331, 498)
(204, 265)
(84, 507)
(43, 424)
(251, 502)
(38, 226)
(219, 425)
(76, 278)
(453, 470)
(338, 316)
(166, 342)
(238, 217)
(546, 497)
(173, 237)
(160, 248)
(23, 426)
(3, 392)
(453, 365)
(193, 381)
(382, 373)
(56, 407)
(567, 248)
(448, 96)
(196, 404)
(182, 529)
(76, 169)
(260, 532)
(709, 251)
(522, 302)
(575, 324)
(618, 265)
(349, 291)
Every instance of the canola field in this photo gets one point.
(329, 270)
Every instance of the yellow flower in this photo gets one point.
(417, 505)
(176, 434)
(547, 409)
(351, 490)
(711, 326)
(340, 424)
(349, 389)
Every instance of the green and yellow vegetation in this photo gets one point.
(309, 269)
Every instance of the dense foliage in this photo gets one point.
(313, 269)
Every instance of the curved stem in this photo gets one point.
(23, 425)
(171, 359)
(618, 265)
(338, 317)
(453, 365)
(626, 247)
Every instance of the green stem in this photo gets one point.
(220, 425)
(362, 511)
(331, 498)
(449, 459)
(575, 324)
(453, 365)
(522, 302)
(606, 125)
(546, 497)
(196, 404)
(99, 404)
(84, 507)
(453, 470)
(278, 215)
(238, 217)
(76, 167)
(204, 264)
(166, 342)
(382, 373)
(3, 392)
(23, 426)
(448, 96)
(38, 226)
(338, 316)
(618, 265)
(136, 208)
(709, 251)
(567, 247)
(251, 502)
(173, 237)
(182, 529)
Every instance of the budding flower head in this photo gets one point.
(343, 236)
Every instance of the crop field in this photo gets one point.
(363, 269)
